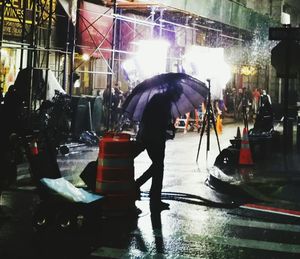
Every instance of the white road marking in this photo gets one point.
(256, 244)
(264, 225)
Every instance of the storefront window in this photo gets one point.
(7, 68)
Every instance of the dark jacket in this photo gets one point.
(155, 119)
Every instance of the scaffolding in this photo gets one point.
(36, 20)
(146, 22)
(26, 33)
(97, 45)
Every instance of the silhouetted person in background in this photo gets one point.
(111, 102)
(264, 119)
(152, 137)
(244, 105)
(10, 127)
(264, 98)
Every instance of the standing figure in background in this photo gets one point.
(118, 100)
(111, 104)
(264, 119)
(244, 106)
(237, 101)
(264, 98)
(255, 100)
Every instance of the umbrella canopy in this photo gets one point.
(187, 92)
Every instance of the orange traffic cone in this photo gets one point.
(238, 133)
(245, 152)
(219, 124)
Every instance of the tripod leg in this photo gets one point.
(215, 129)
(201, 134)
(208, 131)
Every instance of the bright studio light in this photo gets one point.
(151, 57)
(149, 60)
(208, 63)
(85, 57)
(130, 69)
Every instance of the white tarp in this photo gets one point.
(69, 191)
(70, 7)
(52, 85)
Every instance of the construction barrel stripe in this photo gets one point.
(114, 187)
(115, 162)
(114, 174)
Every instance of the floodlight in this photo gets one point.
(151, 57)
(85, 57)
(208, 63)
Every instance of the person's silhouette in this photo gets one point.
(152, 137)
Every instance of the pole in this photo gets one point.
(64, 84)
(48, 45)
(32, 57)
(73, 40)
(23, 33)
(2, 25)
(110, 81)
(286, 98)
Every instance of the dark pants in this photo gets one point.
(156, 152)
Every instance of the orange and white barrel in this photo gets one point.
(115, 172)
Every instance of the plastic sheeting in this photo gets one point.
(69, 191)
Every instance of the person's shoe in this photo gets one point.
(159, 206)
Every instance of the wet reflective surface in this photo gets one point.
(200, 223)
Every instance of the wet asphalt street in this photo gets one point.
(201, 222)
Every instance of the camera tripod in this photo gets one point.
(209, 116)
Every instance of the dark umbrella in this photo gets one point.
(191, 92)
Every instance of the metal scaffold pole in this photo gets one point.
(111, 75)
(64, 84)
(2, 24)
(23, 32)
(72, 57)
(48, 43)
(31, 62)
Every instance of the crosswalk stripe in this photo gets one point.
(264, 225)
(250, 223)
(255, 244)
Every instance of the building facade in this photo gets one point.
(103, 35)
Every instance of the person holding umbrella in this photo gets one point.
(154, 103)
(152, 136)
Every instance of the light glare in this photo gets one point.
(85, 57)
(208, 63)
(151, 57)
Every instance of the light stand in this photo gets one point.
(208, 117)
